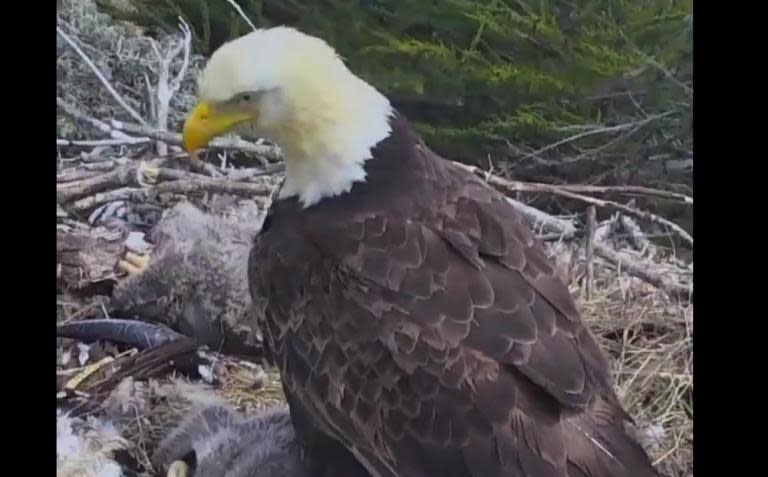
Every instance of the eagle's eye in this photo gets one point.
(246, 97)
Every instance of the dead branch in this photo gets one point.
(242, 13)
(128, 133)
(599, 130)
(626, 190)
(181, 187)
(124, 182)
(269, 152)
(166, 87)
(97, 123)
(120, 177)
(544, 223)
(636, 236)
(507, 186)
(87, 170)
(590, 250)
(103, 142)
(661, 281)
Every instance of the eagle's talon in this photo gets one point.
(178, 468)
(147, 174)
(133, 263)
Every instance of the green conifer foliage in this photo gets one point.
(502, 79)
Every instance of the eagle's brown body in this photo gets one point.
(420, 327)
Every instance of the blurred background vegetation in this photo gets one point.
(584, 91)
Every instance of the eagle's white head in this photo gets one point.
(292, 89)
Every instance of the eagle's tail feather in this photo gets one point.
(604, 449)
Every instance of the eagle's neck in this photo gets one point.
(327, 152)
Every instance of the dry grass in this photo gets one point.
(648, 337)
(650, 341)
(145, 412)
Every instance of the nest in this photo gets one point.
(117, 177)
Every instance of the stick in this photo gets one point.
(507, 186)
(547, 224)
(241, 12)
(641, 214)
(167, 87)
(128, 141)
(625, 190)
(119, 130)
(131, 175)
(120, 177)
(590, 250)
(268, 152)
(101, 77)
(659, 280)
(636, 236)
(624, 263)
(183, 187)
(602, 130)
(98, 124)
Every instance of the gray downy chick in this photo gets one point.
(196, 278)
(218, 442)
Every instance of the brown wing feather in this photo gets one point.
(436, 339)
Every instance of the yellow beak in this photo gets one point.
(205, 123)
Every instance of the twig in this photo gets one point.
(651, 61)
(602, 130)
(628, 190)
(184, 187)
(120, 177)
(103, 142)
(119, 130)
(641, 214)
(507, 185)
(187, 46)
(659, 280)
(590, 250)
(167, 87)
(98, 124)
(621, 261)
(547, 224)
(241, 12)
(636, 236)
(625, 190)
(268, 152)
(101, 77)
(136, 174)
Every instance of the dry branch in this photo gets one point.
(636, 236)
(590, 250)
(269, 152)
(242, 13)
(544, 223)
(661, 281)
(97, 123)
(167, 87)
(120, 177)
(185, 187)
(626, 190)
(508, 186)
(129, 141)
(621, 261)
(599, 130)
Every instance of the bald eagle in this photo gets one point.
(419, 327)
